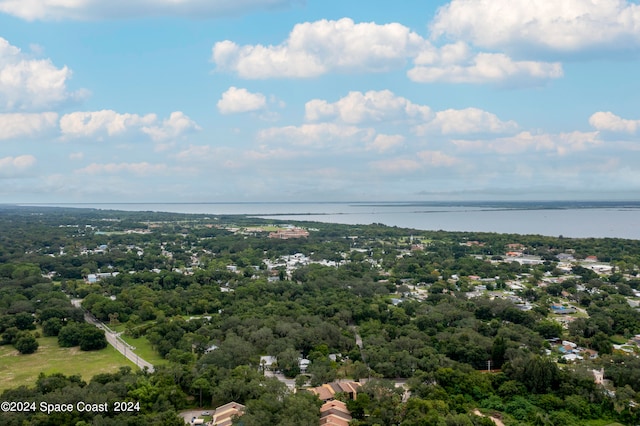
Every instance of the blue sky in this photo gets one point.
(292, 100)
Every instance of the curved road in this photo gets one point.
(114, 339)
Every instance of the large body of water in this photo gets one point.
(570, 219)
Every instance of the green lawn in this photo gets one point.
(144, 349)
(17, 370)
(619, 340)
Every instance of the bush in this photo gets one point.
(26, 344)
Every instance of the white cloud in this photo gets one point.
(611, 122)
(372, 106)
(110, 123)
(383, 143)
(31, 84)
(15, 166)
(76, 156)
(195, 152)
(173, 127)
(99, 9)
(562, 143)
(140, 169)
(236, 100)
(316, 135)
(385, 106)
(468, 120)
(25, 125)
(315, 48)
(567, 25)
(486, 68)
(437, 159)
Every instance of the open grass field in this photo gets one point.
(144, 349)
(17, 370)
(618, 339)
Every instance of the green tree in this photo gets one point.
(288, 362)
(548, 329)
(92, 339)
(24, 321)
(52, 326)
(26, 344)
(201, 384)
(69, 335)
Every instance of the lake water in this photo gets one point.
(570, 219)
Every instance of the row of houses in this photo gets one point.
(328, 391)
(334, 413)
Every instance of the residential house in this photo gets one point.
(223, 415)
(328, 391)
(334, 413)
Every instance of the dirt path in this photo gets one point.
(495, 420)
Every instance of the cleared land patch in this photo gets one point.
(17, 370)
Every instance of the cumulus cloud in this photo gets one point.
(31, 84)
(173, 127)
(236, 100)
(383, 143)
(139, 169)
(111, 123)
(315, 48)
(385, 106)
(610, 122)
(569, 25)
(98, 9)
(19, 125)
(15, 166)
(316, 135)
(372, 106)
(487, 68)
(468, 120)
(562, 143)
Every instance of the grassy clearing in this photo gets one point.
(618, 339)
(17, 370)
(144, 349)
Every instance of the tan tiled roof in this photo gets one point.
(334, 413)
(328, 390)
(223, 415)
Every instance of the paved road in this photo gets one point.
(291, 383)
(115, 340)
(188, 415)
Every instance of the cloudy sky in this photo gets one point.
(318, 100)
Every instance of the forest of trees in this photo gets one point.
(174, 287)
